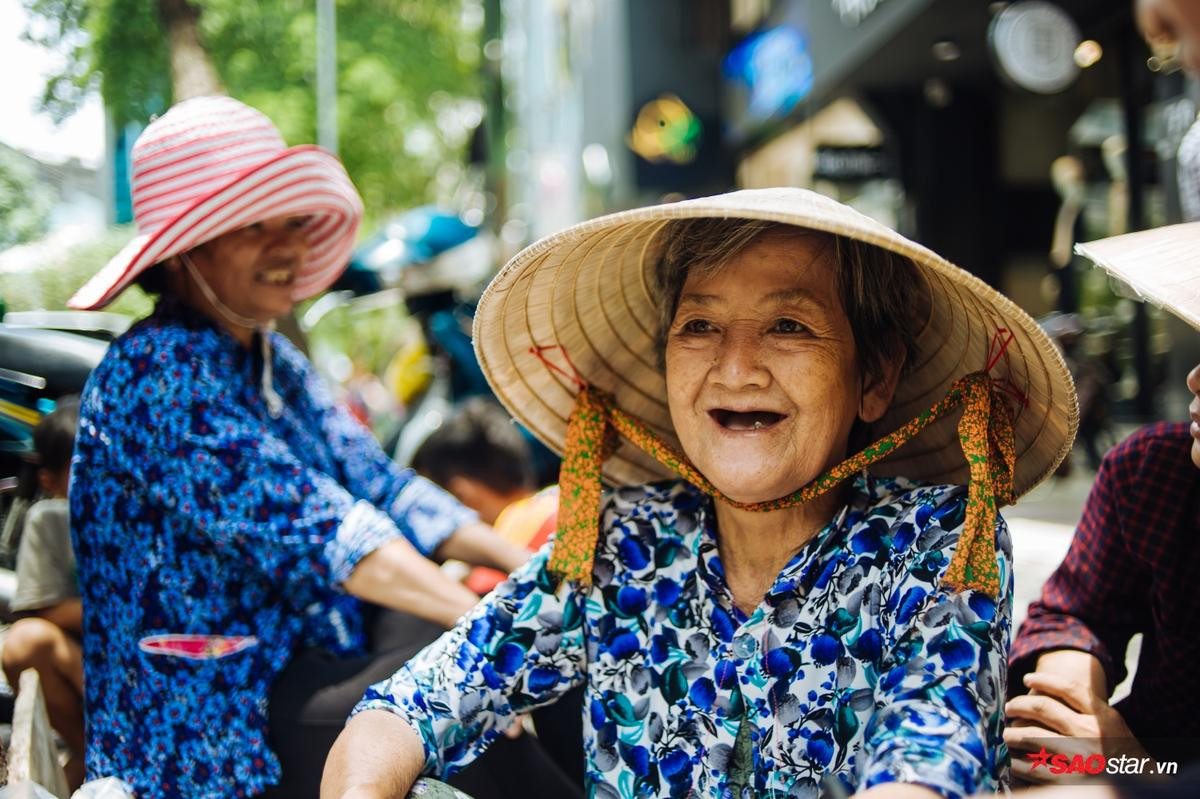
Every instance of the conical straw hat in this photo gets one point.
(588, 290)
(1162, 265)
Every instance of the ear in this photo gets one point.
(53, 483)
(478, 496)
(199, 255)
(878, 391)
(468, 491)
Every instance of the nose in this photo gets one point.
(1193, 381)
(738, 362)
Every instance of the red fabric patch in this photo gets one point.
(196, 647)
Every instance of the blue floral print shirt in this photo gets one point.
(211, 541)
(856, 665)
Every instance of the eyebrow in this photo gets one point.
(775, 297)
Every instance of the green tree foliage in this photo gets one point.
(24, 204)
(55, 273)
(402, 65)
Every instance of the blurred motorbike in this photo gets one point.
(435, 264)
(37, 366)
(44, 355)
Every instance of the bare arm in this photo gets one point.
(397, 576)
(479, 545)
(377, 756)
(67, 615)
(1077, 666)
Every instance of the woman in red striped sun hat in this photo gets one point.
(211, 166)
(229, 519)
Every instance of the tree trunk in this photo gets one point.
(192, 71)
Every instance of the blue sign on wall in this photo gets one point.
(768, 73)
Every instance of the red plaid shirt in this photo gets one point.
(1133, 566)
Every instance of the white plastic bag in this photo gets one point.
(103, 788)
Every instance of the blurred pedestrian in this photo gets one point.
(46, 637)
(231, 521)
(1092, 380)
(1172, 28)
(480, 456)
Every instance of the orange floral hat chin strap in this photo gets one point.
(985, 432)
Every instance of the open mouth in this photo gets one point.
(745, 420)
(276, 277)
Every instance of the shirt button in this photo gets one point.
(743, 646)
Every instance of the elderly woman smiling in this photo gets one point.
(791, 614)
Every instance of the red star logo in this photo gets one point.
(1038, 759)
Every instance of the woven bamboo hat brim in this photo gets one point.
(588, 289)
(1161, 265)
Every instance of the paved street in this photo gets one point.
(1041, 525)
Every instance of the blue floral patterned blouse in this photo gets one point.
(211, 540)
(856, 665)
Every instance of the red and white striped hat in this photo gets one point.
(212, 165)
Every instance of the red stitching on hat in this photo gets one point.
(997, 349)
(573, 375)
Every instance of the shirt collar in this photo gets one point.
(815, 561)
(173, 308)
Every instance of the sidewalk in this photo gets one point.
(1042, 524)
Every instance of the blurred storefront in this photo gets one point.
(609, 104)
(997, 133)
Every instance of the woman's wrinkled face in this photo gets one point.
(253, 270)
(762, 381)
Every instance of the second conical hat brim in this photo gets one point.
(1161, 265)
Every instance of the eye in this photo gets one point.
(788, 326)
(298, 222)
(696, 327)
